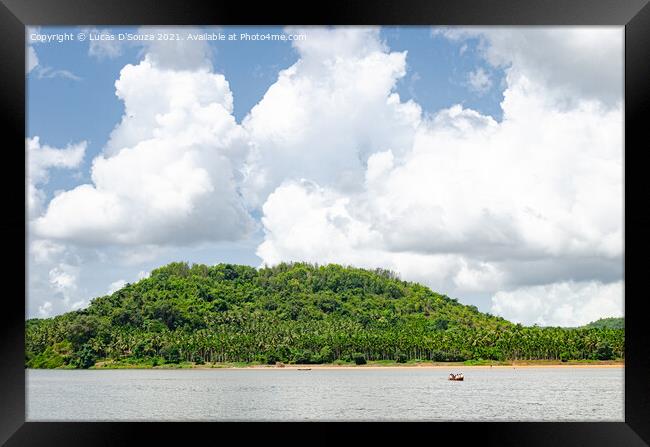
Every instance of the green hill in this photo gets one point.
(610, 323)
(294, 313)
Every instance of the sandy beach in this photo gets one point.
(452, 366)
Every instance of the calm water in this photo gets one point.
(495, 394)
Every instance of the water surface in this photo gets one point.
(490, 394)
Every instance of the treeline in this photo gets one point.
(293, 313)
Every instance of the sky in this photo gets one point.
(484, 162)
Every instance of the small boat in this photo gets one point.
(456, 377)
(304, 369)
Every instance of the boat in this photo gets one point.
(456, 377)
(304, 369)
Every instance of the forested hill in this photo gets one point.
(291, 313)
(611, 323)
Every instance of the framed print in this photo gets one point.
(370, 216)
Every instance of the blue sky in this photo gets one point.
(422, 184)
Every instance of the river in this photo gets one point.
(357, 394)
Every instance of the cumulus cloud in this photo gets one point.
(42, 157)
(63, 280)
(469, 199)
(64, 277)
(40, 160)
(560, 304)
(510, 190)
(168, 174)
(327, 113)
(320, 223)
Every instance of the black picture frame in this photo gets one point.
(633, 14)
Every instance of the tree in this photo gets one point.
(604, 351)
(359, 358)
(84, 358)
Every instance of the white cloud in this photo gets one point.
(319, 222)
(78, 305)
(115, 286)
(478, 276)
(170, 169)
(327, 113)
(473, 186)
(560, 304)
(177, 54)
(44, 251)
(379, 164)
(40, 160)
(479, 81)
(63, 277)
(45, 309)
(569, 62)
(63, 281)
(465, 200)
(49, 73)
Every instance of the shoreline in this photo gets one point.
(371, 366)
(375, 367)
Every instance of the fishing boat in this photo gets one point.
(457, 377)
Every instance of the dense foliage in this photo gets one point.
(610, 323)
(294, 313)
